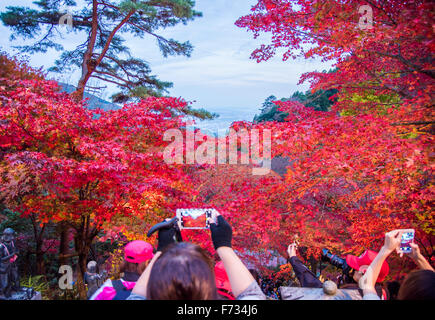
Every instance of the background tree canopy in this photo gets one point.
(104, 53)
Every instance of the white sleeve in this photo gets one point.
(371, 296)
(252, 292)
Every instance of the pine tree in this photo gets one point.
(104, 54)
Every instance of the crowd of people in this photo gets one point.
(185, 271)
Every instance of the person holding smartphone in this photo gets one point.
(418, 258)
(184, 271)
(418, 285)
(368, 280)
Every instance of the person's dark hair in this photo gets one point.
(138, 268)
(184, 271)
(255, 274)
(393, 288)
(418, 285)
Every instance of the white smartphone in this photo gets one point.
(195, 218)
(407, 239)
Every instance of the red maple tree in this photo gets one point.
(66, 163)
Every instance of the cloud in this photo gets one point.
(219, 73)
(228, 65)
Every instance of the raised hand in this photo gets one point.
(221, 233)
(392, 240)
(291, 250)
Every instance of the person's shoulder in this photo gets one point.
(252, 292)
(134, 296)
(371, 296)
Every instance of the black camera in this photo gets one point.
(340, 263)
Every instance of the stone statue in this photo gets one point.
(93, 279)
(9, 276)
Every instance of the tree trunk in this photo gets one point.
(86, 64)
(27, 263)
(64, 245)
(83, 241)
(313, 264)
(80, 274)
(79, 93)
(40, 265)
(38, 236)
(89, 64)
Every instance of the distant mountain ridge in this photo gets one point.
(93, 101)
(220, 125)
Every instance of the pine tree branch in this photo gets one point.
(111, 35)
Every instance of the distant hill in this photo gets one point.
(93, 102)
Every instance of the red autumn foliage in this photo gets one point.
(392, 59)
(355, 172)
(66, 163)
(367, 166)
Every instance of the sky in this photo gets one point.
(219, 76)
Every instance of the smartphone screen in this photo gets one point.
(407, 238)
(194, 218)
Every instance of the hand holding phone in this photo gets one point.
(221, 232)
(195, 218)
(406, 240)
